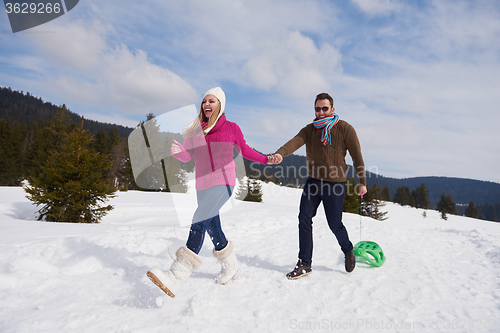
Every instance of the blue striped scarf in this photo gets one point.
(326, 124)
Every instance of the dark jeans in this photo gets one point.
(332, 194)
(206, 218)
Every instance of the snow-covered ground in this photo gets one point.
(440, 276)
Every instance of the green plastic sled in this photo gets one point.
(371, 252)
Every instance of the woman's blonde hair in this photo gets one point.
(196, 128)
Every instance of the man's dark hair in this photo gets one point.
(324, 96)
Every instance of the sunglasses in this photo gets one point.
(324, 109)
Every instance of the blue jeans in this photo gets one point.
(206, 218)
(332, 194)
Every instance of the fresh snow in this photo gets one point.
(440, 276)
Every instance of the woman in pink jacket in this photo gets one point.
(210, 140)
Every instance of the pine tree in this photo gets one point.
(472, 210)
(421, 197)
(446, 205)
(402, 196)
(254, 188)
(249, 189)
(385, 194)
(255, 191)
(124, 171)
(242, 190)
(351, 199)
(7, 153)
(47, 138)
(12, 152)
(109, 144)
(372, 204)
(73, 186)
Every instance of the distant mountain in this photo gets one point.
(293, 171)
(24, 108)
(462, 190)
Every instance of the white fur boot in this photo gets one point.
(227, 259)
(181, 269)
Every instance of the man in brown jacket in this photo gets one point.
(327, 141)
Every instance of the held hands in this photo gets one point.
(274, 159)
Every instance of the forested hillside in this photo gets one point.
(18, 107)
(30, 130)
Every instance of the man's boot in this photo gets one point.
(350, 261)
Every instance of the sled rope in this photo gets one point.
(370, 251)
(360, 215)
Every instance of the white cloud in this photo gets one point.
(81, 64)
(135, 84)
(378, 7)
(462, 25)
(76, 46)
(295, 67)
(257, 44)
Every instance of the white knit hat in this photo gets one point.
(219, 94)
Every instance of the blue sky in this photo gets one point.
(418, 80)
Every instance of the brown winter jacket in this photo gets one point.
(328, 162)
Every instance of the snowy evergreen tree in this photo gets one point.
(72, 186)
(403, 196)
(385, 195)
(446, 205)
(254, 191)
(249, 189)
(472, 210)
(421, 197)
(242, 190)
(372, 204)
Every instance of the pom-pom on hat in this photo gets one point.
(219, 93)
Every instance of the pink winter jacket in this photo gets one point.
(214, 154)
